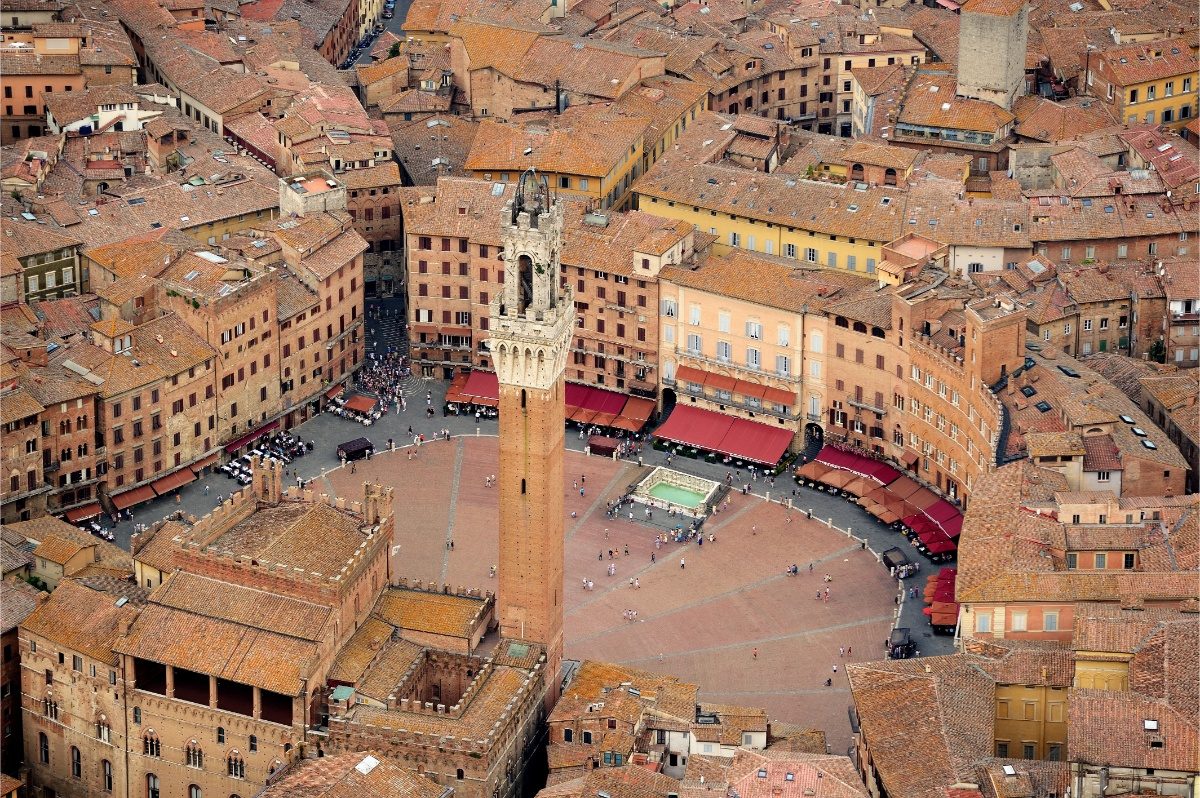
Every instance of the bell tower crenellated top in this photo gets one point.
(534, 316)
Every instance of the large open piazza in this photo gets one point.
(702, 622)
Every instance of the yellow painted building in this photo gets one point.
(811, 222)
(1031, 722)
(584, 152)
(759, 226)
(1146, 82)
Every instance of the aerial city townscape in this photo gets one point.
(600, 398)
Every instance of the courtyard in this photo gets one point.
(702, 622)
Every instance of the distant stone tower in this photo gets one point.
(992, 42)
(532, 322)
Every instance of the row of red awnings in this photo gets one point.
(138, 495)
(942, 609)
(720, 382)
(584, 403)
(889, 495)
(717, 432)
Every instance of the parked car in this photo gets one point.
(900, 644)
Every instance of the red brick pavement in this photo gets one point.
(699, 623)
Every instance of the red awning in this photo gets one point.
(258, 433)
(695, 427)
(779, 396)
(835, 457)
(749, 389)
(575, 395)
(922, 498)
(950, 4)
(637, 409)
(755, 441)
(603, 401)
(953, 527)
(205, 462)
(941, 547)
(172, 481)
(361, 404)
(719, 381)
(582, 415)
(604, 419)
(689, 374)
(334, 391)
(627, 424)
(482, 388)
(941, 510)
(83, 513)
(131, 497)
(423, 328)
(903, 487)
(737, 437)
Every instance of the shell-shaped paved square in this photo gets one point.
(701, 619)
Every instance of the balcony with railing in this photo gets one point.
(729, 363)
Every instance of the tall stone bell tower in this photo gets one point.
(532, 322)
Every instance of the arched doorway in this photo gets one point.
(668, 402)
(857, 173)
(889, 177)
(814, 439)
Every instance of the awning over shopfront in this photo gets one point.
(361, 404)
(736, 437)
(880, 472)
(454, 392)
(634, 414)
(172, 481)
(482, 388)
(129, 498)
(689, 374)
(205, 462)
(83, 513)
(583, 404)
(703, 429)
(245, 439)
(334, 391)
(749, 389)
(777, 396)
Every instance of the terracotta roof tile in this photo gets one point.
(434, 613)
(245, 605)
(352, 775)
(220, 648)
(18, 599)
(82, 619)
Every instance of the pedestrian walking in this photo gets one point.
(754, 653)
(682, 563)
(207, 488)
